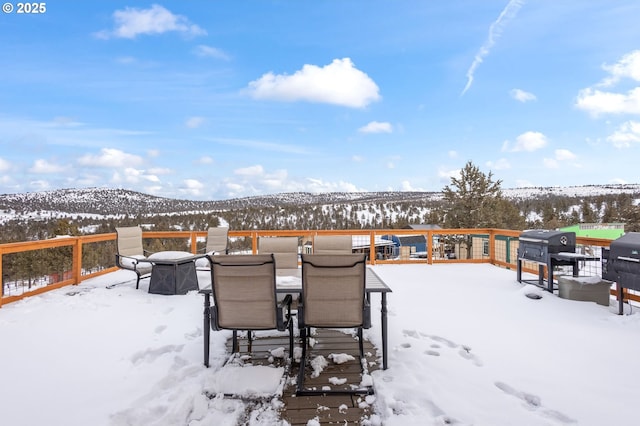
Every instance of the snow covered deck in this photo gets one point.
(466, 346)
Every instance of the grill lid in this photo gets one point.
(547, 237)
(627, 247)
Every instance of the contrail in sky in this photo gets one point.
(507, 14)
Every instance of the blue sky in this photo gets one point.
(222, 99)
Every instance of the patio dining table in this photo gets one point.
(289, 281)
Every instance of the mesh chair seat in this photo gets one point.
(244, 295)
(130, 251)
(333, 296)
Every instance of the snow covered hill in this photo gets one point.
(107, 202)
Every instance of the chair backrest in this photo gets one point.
(284, 250)
(129, 241)
(332, 244)
(217, 240)
(333, 289)
(244, 291)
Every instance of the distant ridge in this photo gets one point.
(109, 201)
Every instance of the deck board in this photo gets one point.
(328, 409)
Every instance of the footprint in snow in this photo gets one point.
(534, 402)
(465, 352)
(150, 355)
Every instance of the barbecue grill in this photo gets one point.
(550, 249)
(621, 263)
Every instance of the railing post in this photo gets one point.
(194, 243)
(429, 247)
(372, 247)
(1, 280)
(77, 261)
(254, 242)
(492, 246)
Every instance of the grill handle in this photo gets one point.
(629, 259)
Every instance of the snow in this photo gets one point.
(466, 347)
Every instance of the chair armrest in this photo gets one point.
(286, 301)
(366, 314)
(282, 320)
(131, 260)
(300, 308)
(213, 315)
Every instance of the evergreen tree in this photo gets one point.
(474, 200)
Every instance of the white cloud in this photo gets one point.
(357, 158)
(134, 176)
(522, 96)
(111, 158)
(405, 185)
(254, 180)
(597, 102)
(560, 155)
(205, 160)
(521, 183)
(210, 52)
(195, 122)
(318, 185)
(446, 175)
(627, 134)
(5, 166)
(191, 187)
(131, 22)
(495, 30)
(618, 181)
(628, 66)
(256, 170)
(154, 189)
(160, 171)
(376, 127)
(501, 164)
(44, 167)
(338, 83)
(564, 155)
(39, 185)
(528, 141)
(452, 154)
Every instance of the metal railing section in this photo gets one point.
(33, 267)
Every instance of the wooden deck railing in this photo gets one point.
(494, 246)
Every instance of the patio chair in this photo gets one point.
(284, 250)
(244, 297)
(333, 296)
(130, 252)
(332, 244)
(217, 243)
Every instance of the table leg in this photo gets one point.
(549, 276)
(207, 328)
(620, 298)
(383, 311)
